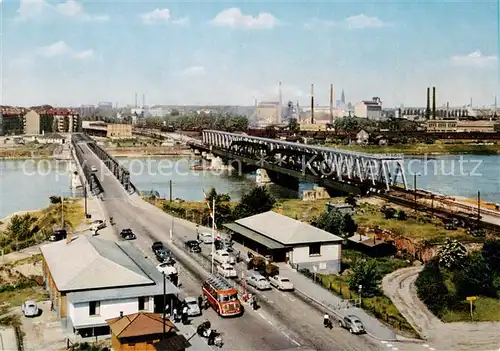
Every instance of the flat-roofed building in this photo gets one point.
(458, 126)
(371, 109)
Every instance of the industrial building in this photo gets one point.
(91, 281)
(107, 130)
(461, 126)
(267, 113)
(371, 109)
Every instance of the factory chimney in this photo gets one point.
(428, 108)
(135, 100)
(143, 100)
(312, 103)
(433, 102)
(280, 114)
(331, 103)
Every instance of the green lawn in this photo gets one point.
(485, 309)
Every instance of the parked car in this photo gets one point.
(222, 256)
(167, 267)
(205, 237)
(163, 255)
(227, 271)
(259, 282)
(193, 307)
(97, 225)
(128, 234)
(281, 283)
(353, 324)
(93, 169)
(58, 235)
(192, 246)
(30, 309)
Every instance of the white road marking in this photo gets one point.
(425, 345)
(389, 345)
(292, 299)
(268, 321)
(432, 349)
(384, 342)
(264, 318)
(285, 334)
(295, 342)
(282, 294)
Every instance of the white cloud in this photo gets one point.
(60, 48)
(353, 22)
(29, 9)
(233, 17)
(157, 15)
(193, 71)
(475, 59)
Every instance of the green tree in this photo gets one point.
(19, 227)
(337, 223)
(55, 199)
(364, 273)
(174, 113)
(257, 200)
(474, 278)
(293, 125)
(452, 254)
(223, 210)
(431, 288)
(491, 253)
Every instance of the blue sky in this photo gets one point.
(213, 52)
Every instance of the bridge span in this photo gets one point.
(333, 168)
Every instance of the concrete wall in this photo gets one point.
(32, 123)
(79, 312)
(330, 255)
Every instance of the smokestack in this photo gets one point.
(135, 100)
(433, 102)
(312, 103)
(280, 102)
(447, 110)
(143, 100)
(428, 108)
(331, 103)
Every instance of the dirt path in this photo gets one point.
(399, 286)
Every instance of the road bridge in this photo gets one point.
(333, 168)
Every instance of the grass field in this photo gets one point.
(29, 150)
(421, 149)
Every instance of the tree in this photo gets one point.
(366, 274)
(474, 278)
(402, 216)
(19, 227)
(491, 253)
(223, 210)
(55, 199)
(452, 254)
(431, 288)
(257, 200)
(351, 200)
(293, 125)
(337, 223)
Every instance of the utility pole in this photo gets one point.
(478, 206)
(85, 197)
(170, 193)
(415, 189)
(213, 233)
(62, 212)
(164, 303)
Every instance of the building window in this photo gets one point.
(94, 308)
(143, 303)
(315, 250)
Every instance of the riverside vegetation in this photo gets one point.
(357, 267)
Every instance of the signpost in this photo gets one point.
(471, 299)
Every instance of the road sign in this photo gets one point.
(471, 298)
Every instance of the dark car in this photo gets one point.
(127, 234)
(193, 246)
(58, 235)
(157, 245)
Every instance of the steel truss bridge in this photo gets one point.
(372, 171)
(120, 172)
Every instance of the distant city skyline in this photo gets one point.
(231, 54)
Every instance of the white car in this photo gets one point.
(167, 268)
(281, 283)
(222, 256)
(97, 225)
(93, 169)
(30, 309)
(227, 271)
(193, 307)
(259, 282)
(206, 237)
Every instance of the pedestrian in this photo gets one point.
(200, 302)
(185, 315)
(326, 320)
(205, 302)
(254, 302)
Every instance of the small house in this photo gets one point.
(362, 137)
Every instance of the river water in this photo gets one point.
(27, 184)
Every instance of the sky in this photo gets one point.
(69, 53)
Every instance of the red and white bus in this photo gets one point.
(222, 297)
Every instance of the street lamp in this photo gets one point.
(164, 303)
(213, 226)
(360, 291)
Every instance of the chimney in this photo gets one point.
(312, 103)
(121, 314)
(281, 103)
(428, 108)
(143, 100)
(331, 103)
(135, 100)
(433, 102)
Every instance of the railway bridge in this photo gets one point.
(342, 170)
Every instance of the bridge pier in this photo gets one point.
(285, 180)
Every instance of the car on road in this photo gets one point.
(205, 237)
(58, 235)
(128, 234)
(167, 267)
(193, 307)
(281, 283)
(227, 271)
(30, 309)
(97, 225)
(222, 256)
(353, 324)
(259, 282)
(93, 169)
(192, 246)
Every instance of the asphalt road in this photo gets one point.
(284, 322)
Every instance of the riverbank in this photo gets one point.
(156, 152)
(28, 151)
(425, 149)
